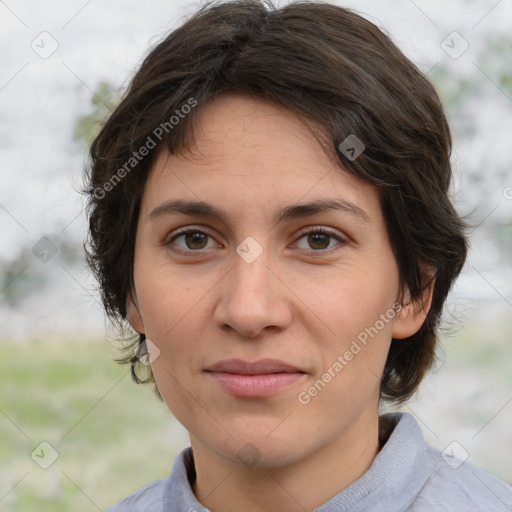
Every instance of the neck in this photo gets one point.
(304, 485)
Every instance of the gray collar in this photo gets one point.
(394, 479)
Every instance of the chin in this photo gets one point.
(258, 450)
(259, 456)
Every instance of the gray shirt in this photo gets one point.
(406, 475)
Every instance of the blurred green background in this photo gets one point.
(113, 436)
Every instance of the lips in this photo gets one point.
(261, 367)
(254, 379)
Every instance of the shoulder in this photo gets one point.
(458, 488)
(413, 476)
(150, 497)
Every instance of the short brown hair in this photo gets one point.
(334, 69)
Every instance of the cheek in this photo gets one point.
(356, 308)
(170, 299)
(175, 315)
(352, 299)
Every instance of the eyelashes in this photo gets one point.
(193, 241)
(187, 232)
(321, 234)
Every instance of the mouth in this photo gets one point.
(254, 379)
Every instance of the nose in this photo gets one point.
(253, 298)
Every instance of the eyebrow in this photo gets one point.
(202, 209)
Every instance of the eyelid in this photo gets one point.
(319, 229)
(184, 230)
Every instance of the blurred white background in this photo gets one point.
(43, 94)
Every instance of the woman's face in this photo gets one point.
(311, 288)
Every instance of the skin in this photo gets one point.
(302, 300)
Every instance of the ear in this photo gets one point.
(133, 314)
(412, 314)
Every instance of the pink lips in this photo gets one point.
(257, 379)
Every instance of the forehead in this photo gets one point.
(251, 154)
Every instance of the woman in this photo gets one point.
(269, 211)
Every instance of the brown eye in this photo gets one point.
(320, 239)
(192, 240)
(195, 240)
